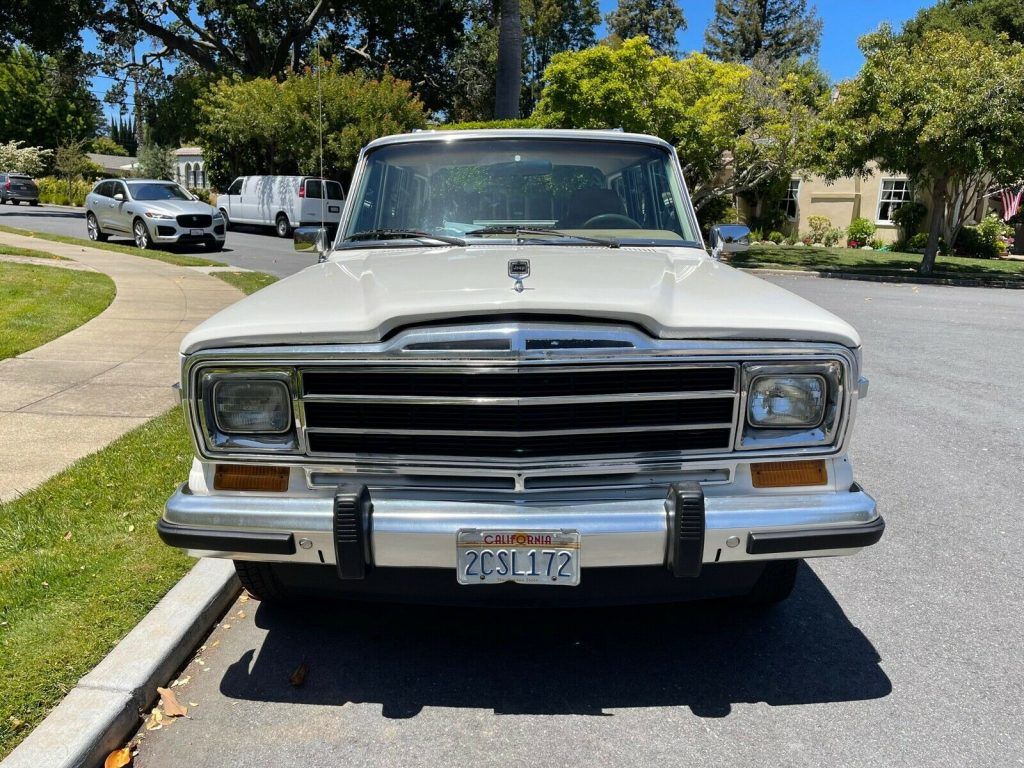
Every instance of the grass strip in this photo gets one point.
(880, 263)
(81, 564)
(182, 260)
(38, 303)
(247, 282)
(11, 250)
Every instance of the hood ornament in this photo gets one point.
(518, 270)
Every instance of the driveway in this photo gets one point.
(246, 247)
(909, 654)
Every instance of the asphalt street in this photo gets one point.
(246, 247)
(909, 654)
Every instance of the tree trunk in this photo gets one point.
(938, 220)
(510, 61)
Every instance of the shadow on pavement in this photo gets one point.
(30, 211)
(706, 656)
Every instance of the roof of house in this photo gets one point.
(112, 161)
(189, 151)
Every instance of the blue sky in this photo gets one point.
(845, 21)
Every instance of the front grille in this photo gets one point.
(199, 220)
(519, 412)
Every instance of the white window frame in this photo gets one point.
(882, 199)
(792, 194)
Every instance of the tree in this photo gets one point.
(946, 110)
(70, 162)
(782, 29)
(122, 131)
(52, 26)
(269, 126)
(44, 99)
(657, 20)
(982, 20)
(508, 82)
(155, 161)
(734, 128)
(30, 160)
(104, 145)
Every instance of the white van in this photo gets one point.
(281, 202)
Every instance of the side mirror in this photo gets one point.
(728, 238)
(311, 238)
(119, 197)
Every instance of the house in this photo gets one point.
(114, 165)
(190, 168)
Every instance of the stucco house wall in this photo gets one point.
(190, 168)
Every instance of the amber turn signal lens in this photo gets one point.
(243, 477)
(779, 474)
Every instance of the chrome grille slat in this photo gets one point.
(540, 400)
(511, 433)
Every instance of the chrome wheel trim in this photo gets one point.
(141, 235)
(282, 226)
(92, 226)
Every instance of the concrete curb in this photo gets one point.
(104, 708)
(1010, 284)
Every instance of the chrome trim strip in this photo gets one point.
(519, 432)
(707, 394)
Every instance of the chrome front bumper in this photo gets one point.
(421, 533)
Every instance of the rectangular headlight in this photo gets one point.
(246, 406)
(782, 402)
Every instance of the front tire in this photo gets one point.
(282, 226)
(260, 581)
(93, 226)
(213, 247)
(775, 583)
(141, 233)
(33, 202)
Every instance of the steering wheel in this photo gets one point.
(610, 221)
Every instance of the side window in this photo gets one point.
(314, 189)
(118, 187)
(334, 191)
(102, 189)
(236, 187)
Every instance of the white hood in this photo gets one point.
(362, 295)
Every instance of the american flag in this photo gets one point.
(1012, 199)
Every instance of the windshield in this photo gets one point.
(155, 191)
(617, 189)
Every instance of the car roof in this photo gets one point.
(518, 133)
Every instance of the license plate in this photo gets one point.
(524, 557)
(333, 208)
(196, 232)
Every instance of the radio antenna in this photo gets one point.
(320, 130)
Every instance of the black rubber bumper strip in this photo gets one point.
(687, 502)
(219, 540)
(352, 509)
(845, 537)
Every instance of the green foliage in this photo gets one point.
(941, 108)
(155, 162)
(776, 237)
(473, 125)
(122, 131)
(657, 20)
(733, 127)
(981, 20)
(831, 237)
(744, 30)
(985, 240)
(717, 210)
(57, 191)
(876, 243)
(266, 126)
(820, 225)
(860, 232)
(908, 217)
(30, 160)
(45, 100)
(202, 194)
(104, 145)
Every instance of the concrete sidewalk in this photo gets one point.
(66, 399)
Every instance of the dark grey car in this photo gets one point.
(16, 187)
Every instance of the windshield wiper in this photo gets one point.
(395, 234)
(609, 242)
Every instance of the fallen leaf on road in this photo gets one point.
(240, 614)
(225, 626)
(244, 598)
(181, 681)
(200, 662)
(170, 701)
(298, 676)
(155, 721)
(193, 703)
(118, 758)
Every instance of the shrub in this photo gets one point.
(30, 160)
(877, 243)
(988, 239)
(756, 235)
(859, 232)
(776, 237)
(202, 194)
(807, 238)
(716, 210)
(908, 217)
(832, 237)
(55, 191)
(819, 225)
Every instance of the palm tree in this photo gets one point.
(510, 61)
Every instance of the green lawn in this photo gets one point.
(247, 282)
(10, 250)
(181, 259)
(40, 303)
(81, 564)
(875, 262)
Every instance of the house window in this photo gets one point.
(788, 204)
(895, 192)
